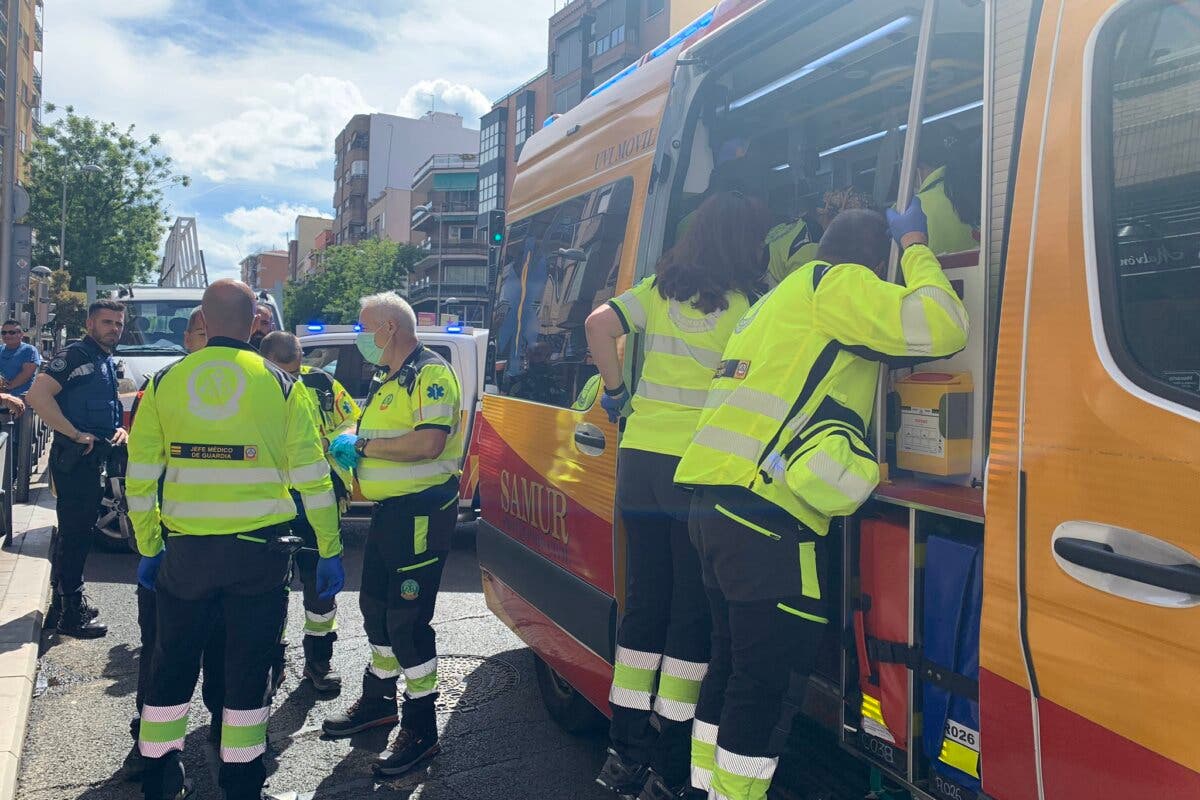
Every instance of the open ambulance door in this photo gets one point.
(1091, 628)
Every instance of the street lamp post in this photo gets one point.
(90, 169)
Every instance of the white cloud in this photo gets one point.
(283, 127)
(267, 227)
(444, 95)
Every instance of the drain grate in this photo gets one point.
(467, 682)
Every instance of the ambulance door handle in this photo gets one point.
(1101, 557)
(589, 439)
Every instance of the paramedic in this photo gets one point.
(779, 451)
(684, 313)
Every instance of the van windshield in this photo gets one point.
(155, 326)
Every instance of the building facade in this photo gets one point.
(265, 270)
(375, 152)
(303, 242)
(390, 216)
(454, 273)
(27, 85)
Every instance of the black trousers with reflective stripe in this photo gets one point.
(402, 572)
(666, 611)
(203, 580)
(763, 646)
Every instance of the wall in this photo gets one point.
(683, 12)
(399, 146)
(395, 207)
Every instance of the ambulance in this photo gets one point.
(1018, 615)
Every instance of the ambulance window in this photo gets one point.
(559, 264)
(1146, 122)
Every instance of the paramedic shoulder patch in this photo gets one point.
(214, 452)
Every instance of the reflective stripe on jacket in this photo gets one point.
(682, 348)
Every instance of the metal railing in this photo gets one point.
(446, 161)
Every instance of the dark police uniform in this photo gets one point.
(89, 401)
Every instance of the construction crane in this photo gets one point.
(183, 261)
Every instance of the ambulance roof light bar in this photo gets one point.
(825, 60)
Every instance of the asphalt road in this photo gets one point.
(497, 739)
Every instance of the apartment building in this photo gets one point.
(390, 216)
(265, 270)
(454, 273)
(375, 152)
(304, 240)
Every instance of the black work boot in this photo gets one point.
(166, 779)
(657, 789)
(318, 651)
(417, 740)
(622, 777)
(376, 707)
(75, 622)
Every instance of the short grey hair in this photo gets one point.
(393, 307)
(280, 347)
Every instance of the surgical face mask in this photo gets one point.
(373, 353)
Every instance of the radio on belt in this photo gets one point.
(935, 424)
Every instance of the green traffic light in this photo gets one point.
(497, 237)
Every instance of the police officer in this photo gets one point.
(685, 314)
(336, 413)
(229, 434)
(76, 394)
(407, 454)
(780, 450)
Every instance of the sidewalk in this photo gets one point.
(24, 596)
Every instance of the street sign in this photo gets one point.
(20, 203)
(22, 255)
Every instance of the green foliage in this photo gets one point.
(349, 272)
(70, 307)
(115, 217)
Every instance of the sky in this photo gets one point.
(248, 95)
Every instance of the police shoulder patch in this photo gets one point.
(58, 364)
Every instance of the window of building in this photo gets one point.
(538, 345)
(1146, 122)
(609, 28)
(525, 111)
(566, 99)
(654, 7)
(568, 52)
(492, 139)
(491, 192)
(358, 169)
(462, 233)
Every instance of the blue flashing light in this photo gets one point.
(358, 327)
(454, 329)
(315, 327)
(699, 24)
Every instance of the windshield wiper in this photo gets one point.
(150, 348)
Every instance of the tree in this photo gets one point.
(70, 308)
(115, 216)
(349, 272)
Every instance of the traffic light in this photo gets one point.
(496, 228)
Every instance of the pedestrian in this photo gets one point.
(19, 360)
(780, 450)
(194, 338)
(229, 435)
(406, 454)
(264, 323)
(76, 395)
(685, 313)
(337, 413)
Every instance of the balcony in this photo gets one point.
(37, 36)
(356, 185)
(450, 161)
(462, 291)
(37, 84)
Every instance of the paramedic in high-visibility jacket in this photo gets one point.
(229, 434)
(780, 450)
(337, 413)
(406, 455)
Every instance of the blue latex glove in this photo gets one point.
(614, 404)
(147, 571)
(911, 221)
(331, 577)
(342, 450)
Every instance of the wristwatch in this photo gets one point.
(360, 447)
